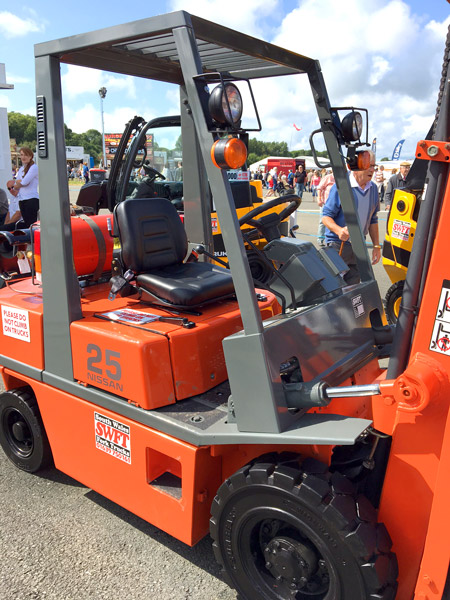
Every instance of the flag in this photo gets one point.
(397, 150)
(297, 128)
(374, 145)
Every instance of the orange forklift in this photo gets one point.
(264, 416)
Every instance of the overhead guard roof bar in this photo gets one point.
(147, 48)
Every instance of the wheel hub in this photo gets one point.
(17, 432)
(291, 561)
(20, 431)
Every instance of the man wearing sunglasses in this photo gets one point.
(12, 214)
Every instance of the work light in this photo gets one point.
(225, 104)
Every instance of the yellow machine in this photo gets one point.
(400, 231)
(253, 239)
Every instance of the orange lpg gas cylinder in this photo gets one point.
(92, 244)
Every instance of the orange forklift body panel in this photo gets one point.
(415, 485)
(152, 364)
(21, 313)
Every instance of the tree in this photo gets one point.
(179, 145)
(22, 128)
(252, 158)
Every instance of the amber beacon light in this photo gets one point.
(229, 153)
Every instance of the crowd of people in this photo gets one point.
(298, 181)
(370, 188)
(78, 171)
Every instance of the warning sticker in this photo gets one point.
(400, 230)
(128, 315)
(16, 323)
(440, 339)
(112, 437)
(358, 306)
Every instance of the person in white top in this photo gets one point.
(26, 185)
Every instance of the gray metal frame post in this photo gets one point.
(250, 353)
(60, 288)
(340, 172)
(243, 283)
(197, 196)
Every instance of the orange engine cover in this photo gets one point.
(92, 245)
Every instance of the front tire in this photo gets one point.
(22, 433)
(284, 533)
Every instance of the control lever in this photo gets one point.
(202, 250)
(292, 231)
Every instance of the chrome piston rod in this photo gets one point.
(356, 391)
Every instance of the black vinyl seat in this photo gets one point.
(154, 245)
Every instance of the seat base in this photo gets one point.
(188, 284)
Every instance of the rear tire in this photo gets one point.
(393, 300)
(284, 533)
(22, 433)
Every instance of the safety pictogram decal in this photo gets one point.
(440, 340)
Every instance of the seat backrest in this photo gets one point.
(151, 234)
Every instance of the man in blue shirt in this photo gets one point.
(85, 172)
(367, 204)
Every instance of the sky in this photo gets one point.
(383, 55)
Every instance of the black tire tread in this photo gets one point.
(27, 397)
(333, 496)
(392, 295)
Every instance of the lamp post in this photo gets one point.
(102, 93)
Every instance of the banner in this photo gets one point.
(374, 145)
(397, 150)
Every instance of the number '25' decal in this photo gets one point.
(111, 366)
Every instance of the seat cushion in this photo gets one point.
(188, 284)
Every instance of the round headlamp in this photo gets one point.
(225, 104)
(352, 126)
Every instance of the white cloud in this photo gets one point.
(5, 102)
(79, 80)
(381, 54)
(88, 116)
(83, 118)
(12, 26)
(11, 78)
(378, 54)
(172, 96)
(380, 66)
(251, 16)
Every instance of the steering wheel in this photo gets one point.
(275, 218)
(152, 173)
